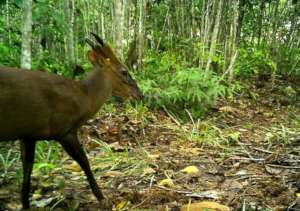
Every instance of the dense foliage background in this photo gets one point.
(186, 54)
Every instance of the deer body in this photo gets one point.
(42, 106)
(36, 106)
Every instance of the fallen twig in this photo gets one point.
(285, 167)
(177, 191)
(142, 202)
(171, 116)
(263, 150)
(244, 158)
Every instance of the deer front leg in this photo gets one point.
(27, 153)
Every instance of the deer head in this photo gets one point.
(103, 58)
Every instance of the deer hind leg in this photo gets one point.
(27, 153)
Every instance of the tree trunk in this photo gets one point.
(182, 18)
(275, 21)
(177, 18)
(26, 35)
(260, 23)
(119, 26)
(101, 18)
(141, 34)
(169, 23)
(163, 29)
(193, 22)
(293, 28)
(112, 34)
(69, 15)
(206, 27)
(233, 36)
(214, 34)
(8, 21)
(132, 53)
(242, 8)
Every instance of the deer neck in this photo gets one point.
(98, 88)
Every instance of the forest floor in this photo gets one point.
(244, 155)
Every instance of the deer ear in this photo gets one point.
(92, 55)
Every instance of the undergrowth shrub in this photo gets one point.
(9, 56)
(288, 61)
(170, 83)
(252, 61)
(281, 61)
(45, 62)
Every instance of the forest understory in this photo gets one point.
(219, 125)
(245, 155)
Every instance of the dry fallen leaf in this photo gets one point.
(113, 174)
(43, 202)
(91, 144)
(153, 156)
(191, 170)
(227, 109)
(195, 151)
(167, 183)
(36, 196)
(148, 171)
(114, 131)
(73, 167)
(123, 204)
(204, 206)
(210, 194)
(271, 170)
(241, 172)
(117, 147)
